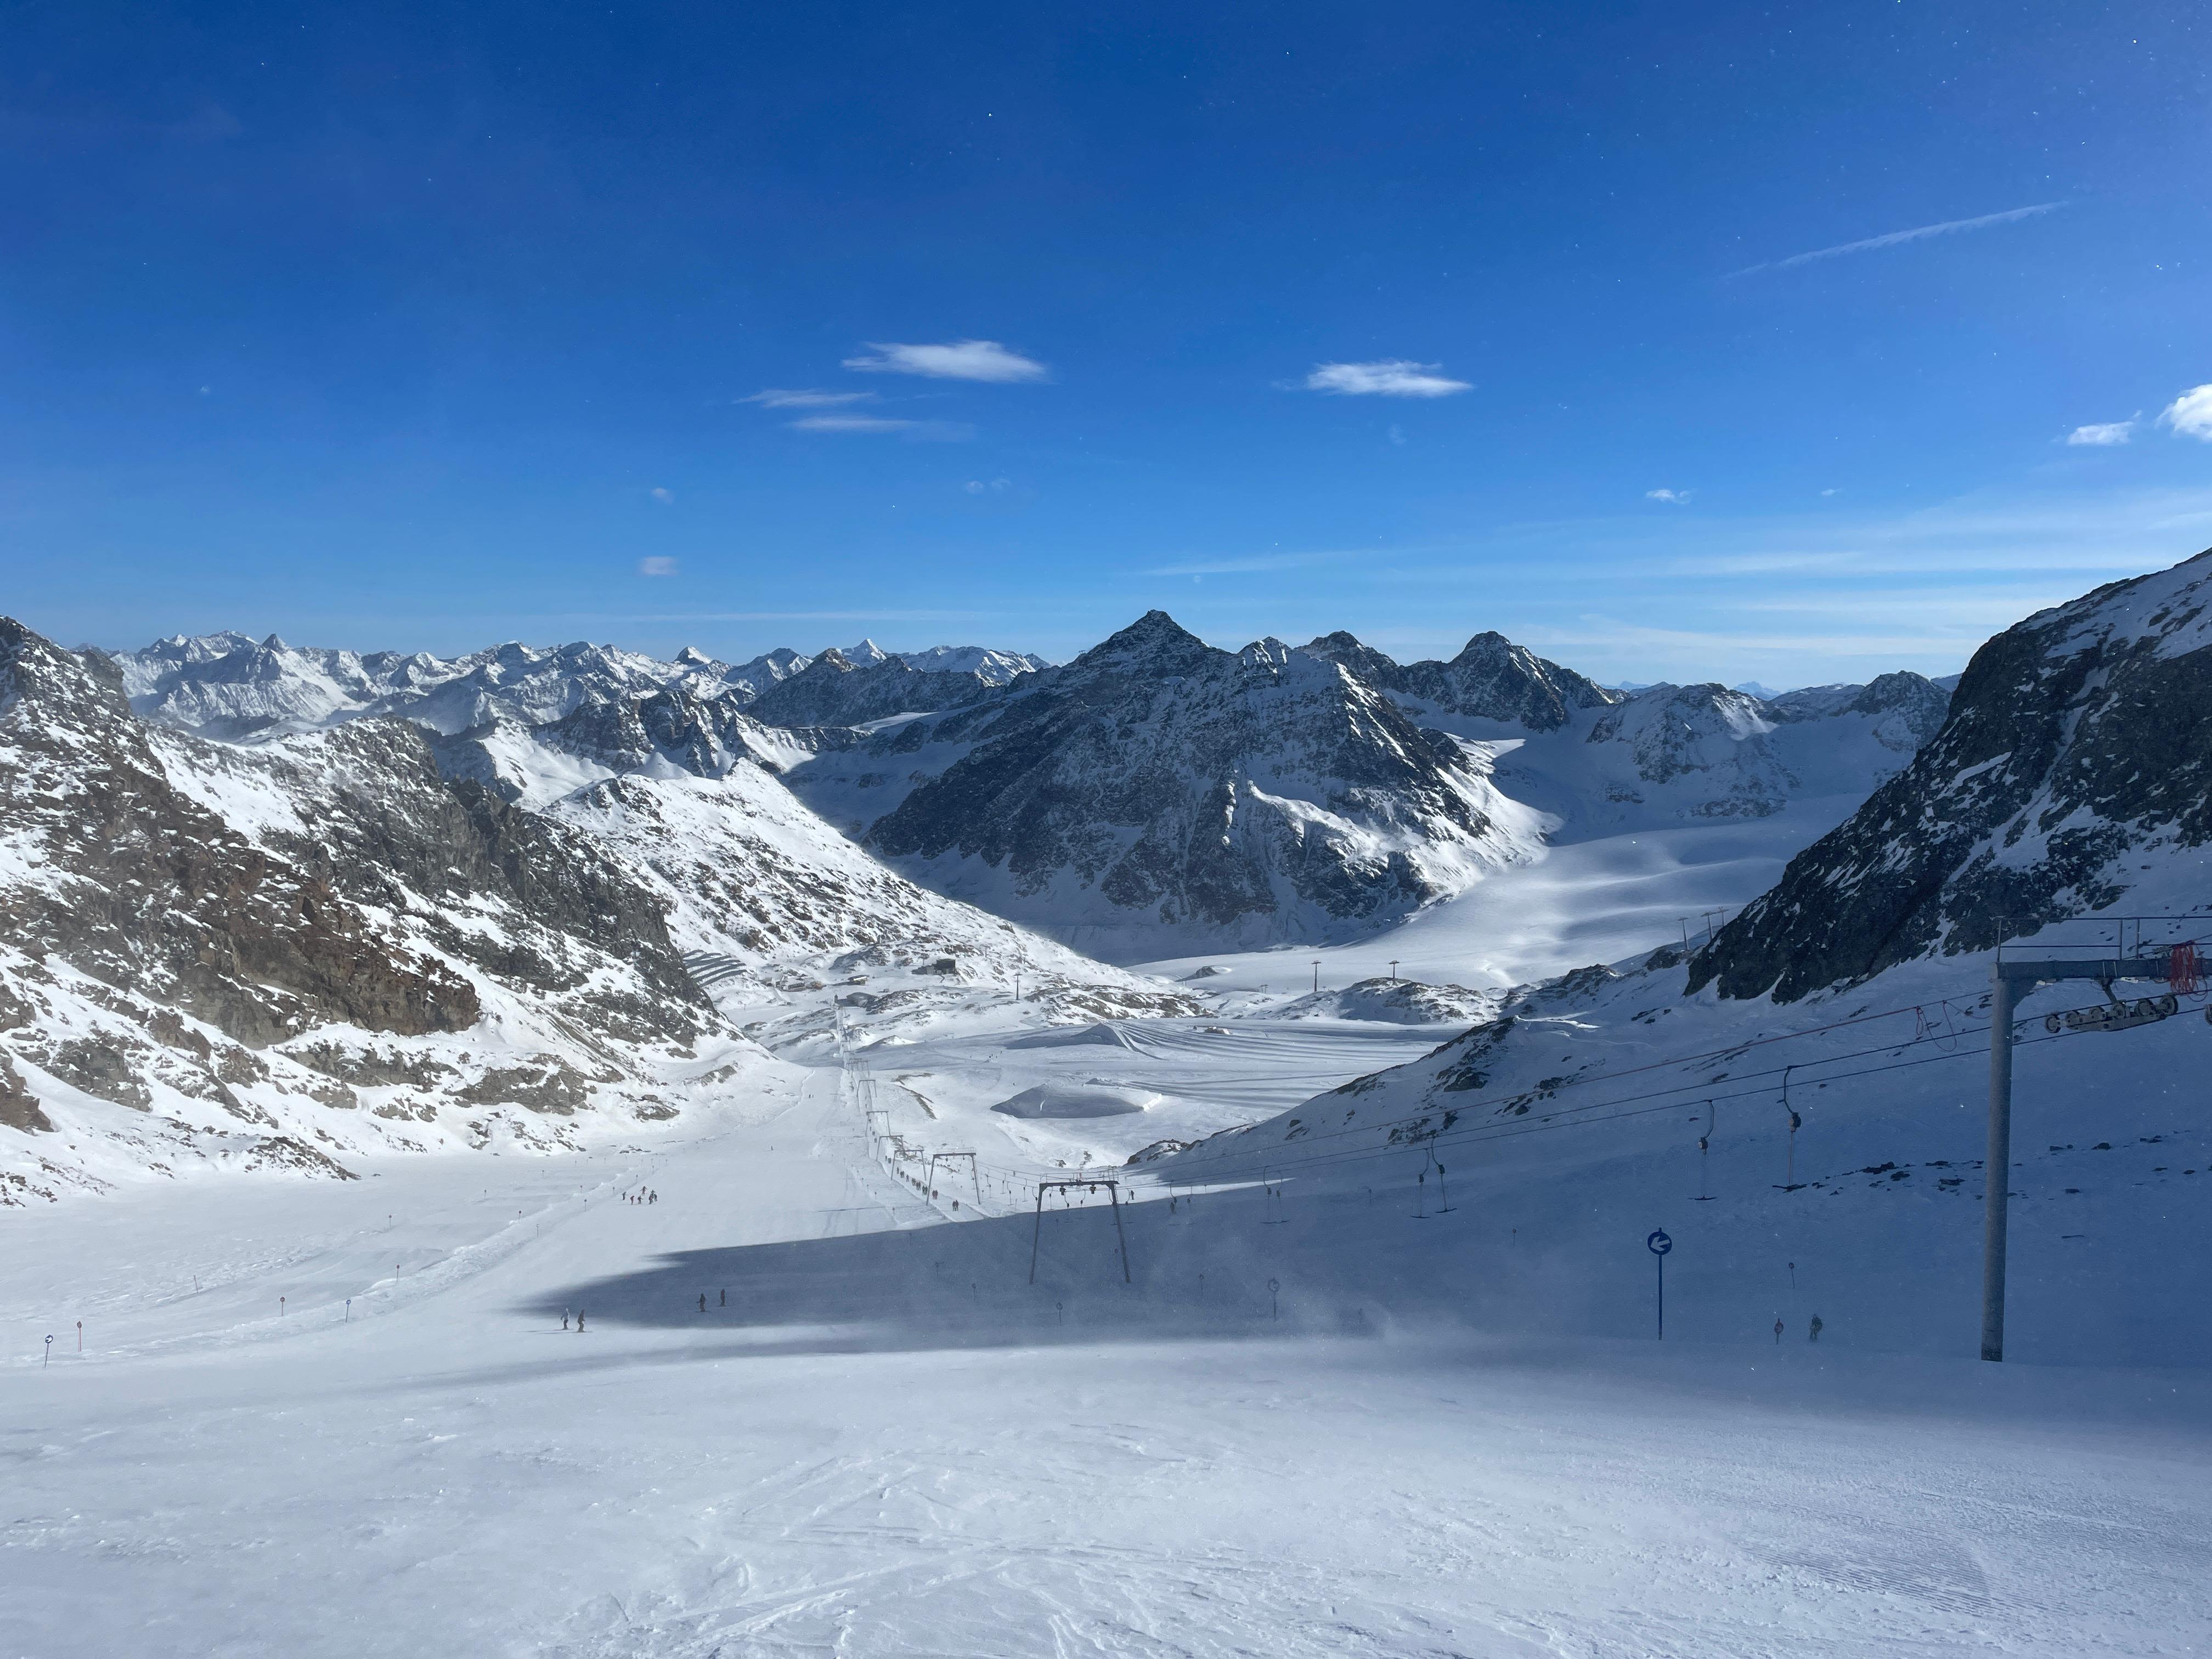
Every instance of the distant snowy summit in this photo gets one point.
(231, 687)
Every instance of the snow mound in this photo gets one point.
(1396, 1002)
(1101, 1032)
(1075, 1100)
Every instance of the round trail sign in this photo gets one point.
(1658, 1243)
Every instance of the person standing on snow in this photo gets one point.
(1813, 1330)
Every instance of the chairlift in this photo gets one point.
(1789, 1167)
(2116, 1015)
(1704, 1148)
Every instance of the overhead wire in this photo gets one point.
(1577, 1116)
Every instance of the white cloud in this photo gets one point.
(1386, 377)
(661, 496)
(1397, 434)
(2103, 433)
(776, 397)
(996, 487)
(2190, 414)
(920, 431)
(1894, 237)
(658, 565)
(1679, 497)
(962, 360)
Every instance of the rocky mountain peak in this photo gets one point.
(2077, 741)
(1154, 642)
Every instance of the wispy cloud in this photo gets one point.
(1255, 564)
(1679, 497)
(2190, 414)
(995, 487)
(1898, 238)
(2103, 435)
(961, 360)
(920, 431)
(656, 565)
(777, 396)
(1386, 377)
(667, 498)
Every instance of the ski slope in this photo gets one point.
(888, 1442)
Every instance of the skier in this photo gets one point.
(702, 1302)
(564, 1319)
(725, 1301)
(579, 1322)
(1778, 1330)
(1813, 1330)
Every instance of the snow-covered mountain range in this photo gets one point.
(378, 935)
(1157, 795)
(1158, 790)
(280, 905)
(229, 686)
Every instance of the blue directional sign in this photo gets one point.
(1658, 1243)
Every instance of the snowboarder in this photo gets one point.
(1813, 1330)
(1778, 1330)
(564, 1319)
(579, 1322)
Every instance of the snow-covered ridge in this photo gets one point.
(227, 685)
(2073, 774)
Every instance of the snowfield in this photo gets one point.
(887, 1442)
(680, 1230)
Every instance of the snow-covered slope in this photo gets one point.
(1675, 754)
(1156, 790)
(314, 947)
(1801, 1099)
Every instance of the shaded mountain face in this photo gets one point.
(2074, 767)
(831, 690)
(1491, 679)
(304, 939)
(1158, 788)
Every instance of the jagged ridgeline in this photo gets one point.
(339, 932)
(325, 923)
(1157, 796)
(2074, 772)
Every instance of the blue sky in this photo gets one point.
(425, 328)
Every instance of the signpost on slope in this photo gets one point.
(1658, 1243)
